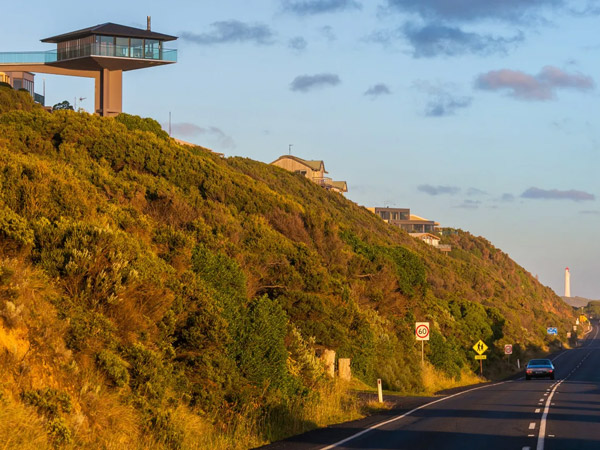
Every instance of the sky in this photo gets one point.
(479, 114)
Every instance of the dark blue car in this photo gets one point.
(539, 368)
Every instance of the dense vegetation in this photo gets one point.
(153, 294)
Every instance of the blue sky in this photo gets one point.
(480, 114)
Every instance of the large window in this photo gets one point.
(136, 48)
(122, 49)
(152, 49)
(106, 45)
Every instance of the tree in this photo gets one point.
(62, 105)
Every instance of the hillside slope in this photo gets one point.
(155, 295)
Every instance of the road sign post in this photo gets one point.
(422, 334)
(508, 351)
(379, 391)
(480, 349)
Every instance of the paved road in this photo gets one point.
(563, 414)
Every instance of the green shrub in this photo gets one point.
(114, 367)
(263, 354)
(59, 433)
(15, 228)
(444, 354)
(142, 124)
(150, 374)
(49, 402)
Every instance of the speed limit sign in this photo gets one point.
(422, 331)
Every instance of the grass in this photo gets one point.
(20, 427)
(435, 381)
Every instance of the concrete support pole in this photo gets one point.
(109, 93)
(344, 371)
(328, 358)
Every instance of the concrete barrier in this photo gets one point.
(344, 371)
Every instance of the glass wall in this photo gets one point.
(105, 45)
(136, 47)
(121, 47)
(152, 49)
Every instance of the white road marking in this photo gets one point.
(537, 410)
(542, 433)
(526, 448)
(532, 426)
(394, 419)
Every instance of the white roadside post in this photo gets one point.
(422, 334)
(379, 390)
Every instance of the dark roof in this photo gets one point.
(110, 29)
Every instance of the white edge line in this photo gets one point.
(394, 419)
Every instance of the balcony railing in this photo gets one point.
(117, 51)
(28, 57)
(325, 182)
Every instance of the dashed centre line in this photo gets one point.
(532, 426)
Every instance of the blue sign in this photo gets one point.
(552, 330)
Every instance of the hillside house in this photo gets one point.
(313, 170)
(417, 227)
(401, 217)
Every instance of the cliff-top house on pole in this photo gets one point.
(102, 52)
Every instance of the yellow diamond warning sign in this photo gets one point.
(480, 347)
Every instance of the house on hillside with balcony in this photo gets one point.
(401, 217)
(102, 52)
(417, 227)
(313, 170)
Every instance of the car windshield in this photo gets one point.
(540, 362)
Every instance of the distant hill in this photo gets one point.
(577, 302)
(154, 295)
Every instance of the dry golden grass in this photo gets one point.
(20, 427)
(434, 380)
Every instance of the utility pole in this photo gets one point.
(290, 149)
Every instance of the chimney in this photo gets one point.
(567, 283)
(148, 19)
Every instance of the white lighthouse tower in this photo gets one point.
(567, 283)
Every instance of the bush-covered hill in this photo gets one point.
(156, 295)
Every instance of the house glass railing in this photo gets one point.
(98, 49)
(28, 57)
(118, 51)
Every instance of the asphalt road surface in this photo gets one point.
(538, 414)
